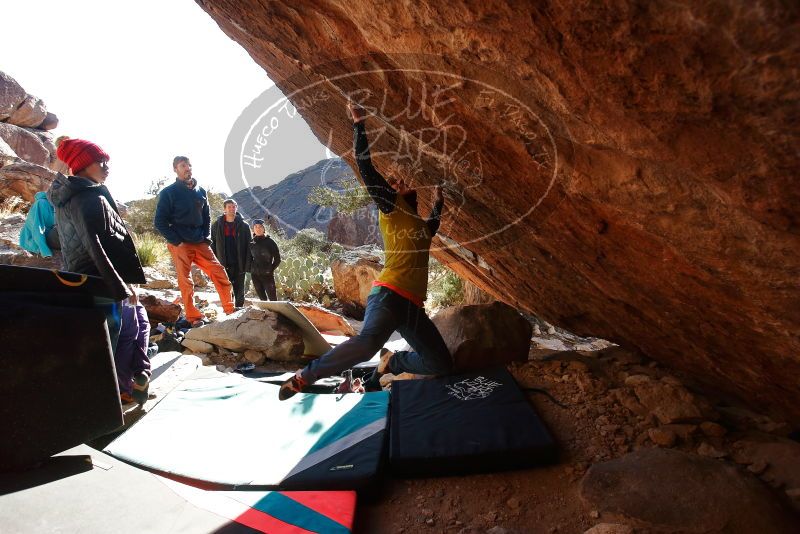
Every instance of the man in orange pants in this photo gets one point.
(183, 217)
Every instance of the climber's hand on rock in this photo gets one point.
(357, 112)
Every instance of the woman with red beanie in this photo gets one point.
(95, 241)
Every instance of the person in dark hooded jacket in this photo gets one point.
(265, 259)
(230, 241)
(95, 240)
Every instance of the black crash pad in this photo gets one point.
(475, 422)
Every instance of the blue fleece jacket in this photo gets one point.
(182, 213)
(41, 218)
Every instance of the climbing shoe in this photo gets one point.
(290, 387)
(141, 385)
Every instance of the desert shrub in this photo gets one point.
(347, 197)
(152, 249)
(445, 288)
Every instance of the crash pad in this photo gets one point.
(233, 432)
(468, 423)
(84, 490)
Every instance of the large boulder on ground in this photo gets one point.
(24, 179)
(11, 96)
(257, 330)
(33, 147)
(159, 310)
(325, 320)
(353, 273)
(671, 491)
(481, 335)
(625, 170)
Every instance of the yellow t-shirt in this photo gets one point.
(407, 243)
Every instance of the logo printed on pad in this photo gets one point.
(341, 467)
(473, 388)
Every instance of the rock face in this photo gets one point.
(256, 330)
(673, 491)
(626, 171)
(353, 274)
(360, 228)
(27, 152)
(483, 335)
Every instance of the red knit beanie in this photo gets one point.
(79, 154)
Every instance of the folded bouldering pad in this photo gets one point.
(230, 431)
(476, 422)
(84, 490)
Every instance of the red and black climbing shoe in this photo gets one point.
(141, 384)
(290, 387)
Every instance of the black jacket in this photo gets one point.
(94, 239)
(182, 213)
(265, 255)
(242, 242)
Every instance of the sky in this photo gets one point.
(145, 80)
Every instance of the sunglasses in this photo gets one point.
(103, 165)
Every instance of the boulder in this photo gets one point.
(159, 310)
(671, 491)
(7, 154)
(622, 170)
(199, 279)
(357, 229)
(26, 144)
(254, 356)
(11, 96)
(353, 273)
(50, 122)
(197, 346)
(482, 335)
(777, 462)
(325, 320)
(24, 179)
(157, 280)
(254, 329)
(30, 113)
(669, 402)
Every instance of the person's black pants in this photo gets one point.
(264, 285)
(237, 281)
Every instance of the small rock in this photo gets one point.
(537, 331)
(707, 450)
(551, 330)
(714, 430)
(513, 503)
(594, 514)
(662, 437)
(430, 521)
(757, 467)
(636, 380)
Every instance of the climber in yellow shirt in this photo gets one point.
(396, 300)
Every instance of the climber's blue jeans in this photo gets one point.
(386, 312)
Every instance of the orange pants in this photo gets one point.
(184, 255)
